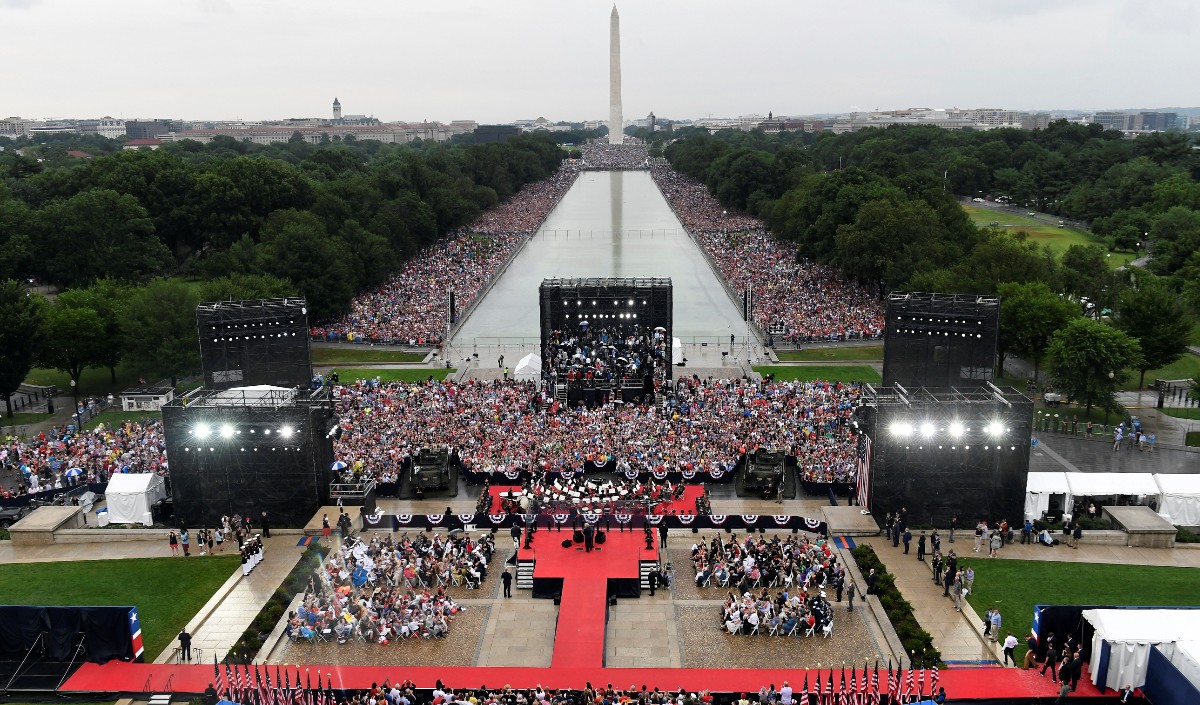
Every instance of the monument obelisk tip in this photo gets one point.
(615, 121)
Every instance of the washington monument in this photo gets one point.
(615, 131)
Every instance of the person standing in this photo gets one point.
(996, 622)
(953, 526)
(957, 588)
(266, 525)
(871, 582)
(921, 547)
(907, 541)
(589, 536)
(969, 579)
(662, 536)
(1010, 648)
(935, 541)
(850, 595)
(1027, 532)
(184, 540)
(506, 373)
(1051, 663)
(652, 579)
(1031, 646)
(987, 622)
(1076, 534)
(995, 544)
(185, 645)
(1063, 692)
(173, 542)
(1076, 669)
(839, 583)
(209, 537)
(506, 578)
(219, 535)
(500, 362)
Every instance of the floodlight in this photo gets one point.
(995, 428)
(927, 429)
(956, 429)
(227, 431)
(202, 430)
(902, 428)
(286, 431)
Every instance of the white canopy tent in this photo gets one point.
(676, 351)
(529, 369)
(1180, 502)
(1038, 488)
(1184, 655)
(1100, 484)
(129, 497)
(1122, 640)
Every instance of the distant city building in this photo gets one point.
(337, 109)
(390, 133)
(149, 143)
(104, 127)
(495, 133)
(1145, 121)
(147, 129)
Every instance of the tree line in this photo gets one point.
(331, 219)
(882, 206)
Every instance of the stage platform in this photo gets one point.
(961, 684)
(685, 506)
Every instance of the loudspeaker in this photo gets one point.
(566, 543)
(600, 537)
(578, 537)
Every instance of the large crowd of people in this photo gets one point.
(410, 308)
(795, 300)
(801, 571)
(389, 589)
(501, 426)
(605, 356)
(599, 154)
(63, 457)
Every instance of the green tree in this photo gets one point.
(1155, 316)
(73, 340)
(1085, 273)
(1030, 314)
(96, 234)
(240, 286)
(296, 247)
(1089, 359)
(1175, 235)
(107, 298)
(160, 328)
(21, 332)
(889, 242)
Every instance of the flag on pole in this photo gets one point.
(933, 678)
(875, 684)
(893, 684)
(909, 684)
(805, 699)
(217, 677)
(921, 679)
(853, 694)
(829, 688)
(842, 688)
(864, 471)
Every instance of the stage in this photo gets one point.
(685, 506)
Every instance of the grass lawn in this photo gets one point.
(116, 418)
(361, 353)
(1078, 412)
(858, 352)
(94, 382)
(409, 375)
(1186, 412)
(1048, 234)
(1014, 587)
(23, 418)
(829, 373)
(1186, 367)
(167, 591)
(1193, 439)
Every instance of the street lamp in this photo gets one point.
(75, 396)
(1111, 391)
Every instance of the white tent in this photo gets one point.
(529, 369)
(676, 351)
(1038, 488)
(1180, 502)
(1122, 640)
(1184, 655)
(129, 497)
(1099, 484)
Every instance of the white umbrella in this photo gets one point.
(338, 466)
(74, 472)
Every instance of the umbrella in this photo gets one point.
(337, 466)
(583, 323)
(74, 472)
(660, 329)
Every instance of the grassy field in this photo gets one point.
(93, 382)
(409, 375)
(830, 373)
(1048, 234)
(1193, 439)
(1014, 587)
(1186, 367)
(359, 353)
(23, 418)
(868, 353)
(116, 418)
(167, 591)
(1078, 412)
(1190, 412)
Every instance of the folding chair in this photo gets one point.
(323, 635)
(827, 630)
(792, 631)
(753, 630)
(810, 631)
(775, 629)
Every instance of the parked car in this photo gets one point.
(11, 515)
(1052, 398)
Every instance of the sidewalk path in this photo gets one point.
(952, 635)
(230, 611)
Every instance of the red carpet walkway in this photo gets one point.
(687, 505)
(579, 638)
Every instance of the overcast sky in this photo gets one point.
(501, 60)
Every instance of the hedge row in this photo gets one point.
(917, 642)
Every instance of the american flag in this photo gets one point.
(805, 699)
(829, 688)
(875, 685)
(135, 634)
(853, 687)
(217, 677)
(933, 678)
(842, 695)
(909, 684)
(268, 695)
(921, 680)
(241, 683)
(893, 684)
(864, 471)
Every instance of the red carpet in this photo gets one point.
(687, 505)
(960, 684)
(579, 638)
